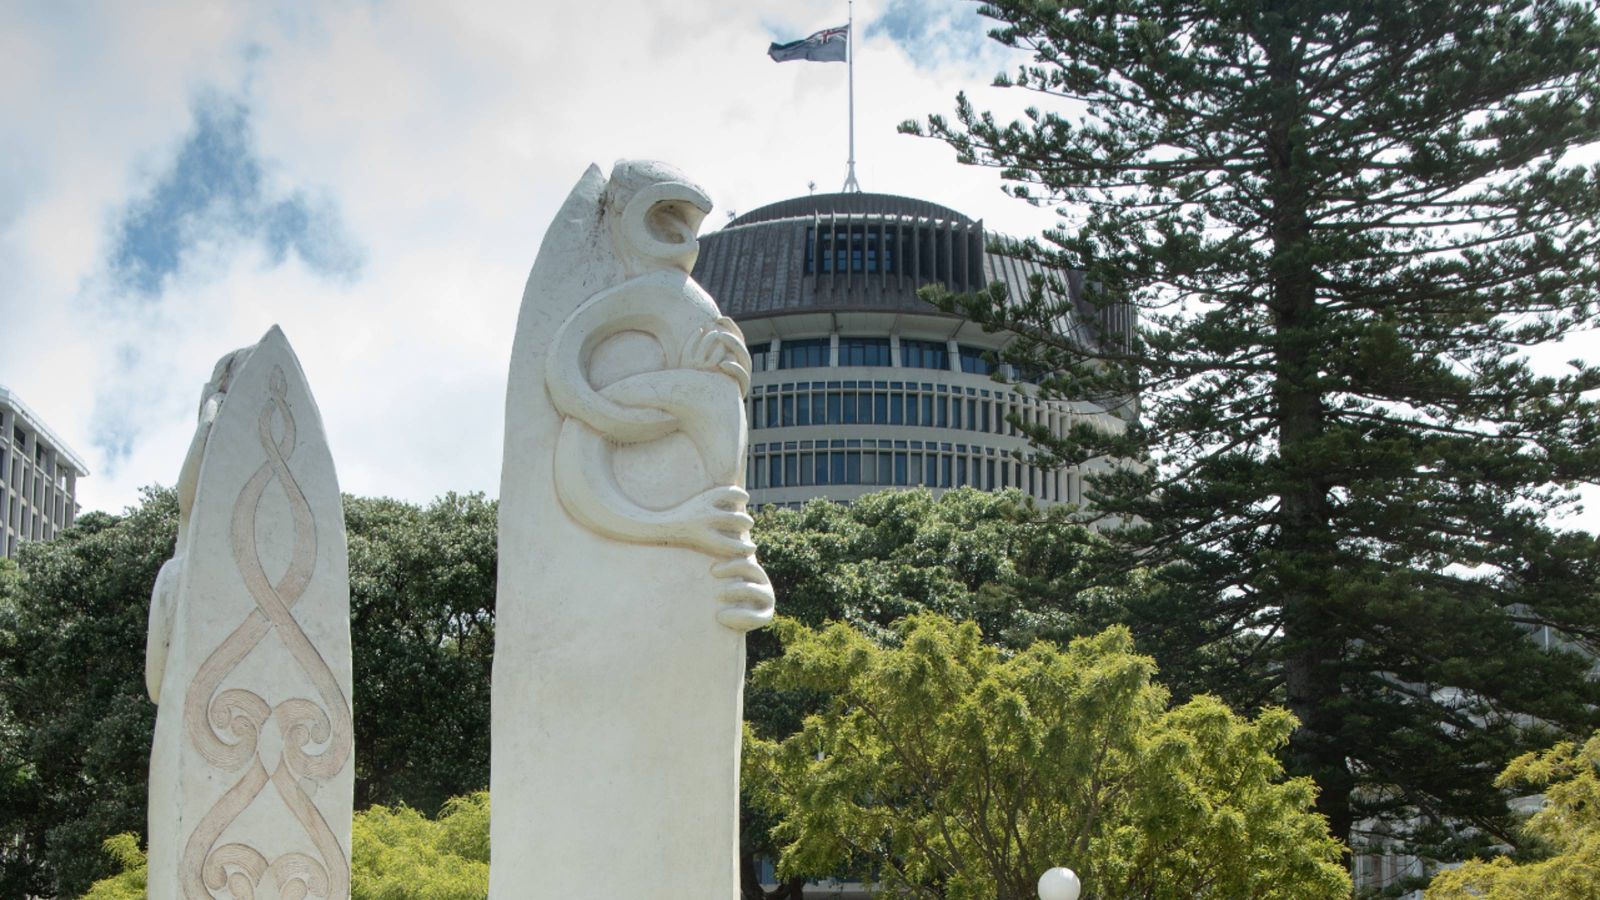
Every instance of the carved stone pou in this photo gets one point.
(252, 772)
(627, 577)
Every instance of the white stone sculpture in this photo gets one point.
(251, 772)
(627, 577)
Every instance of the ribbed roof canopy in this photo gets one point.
(871, 253)
(850, 204)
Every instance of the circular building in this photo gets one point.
(859, 384)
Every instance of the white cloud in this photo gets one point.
(443, 137)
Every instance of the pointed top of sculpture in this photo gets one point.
(276, 339)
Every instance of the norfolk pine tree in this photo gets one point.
(1343, 225)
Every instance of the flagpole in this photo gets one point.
(850, 183)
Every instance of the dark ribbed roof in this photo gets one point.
(872, 252)
(850, 204)
(804, 263)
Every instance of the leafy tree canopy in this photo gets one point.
(944, 767)
(74, 719)
(399, 854)
(1565, 832)
(1020, 571)
(1343, 226)
(132, 878)
(422, 587)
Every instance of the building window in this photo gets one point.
(758, 356)
(856, 248)
(811, 353)
(974, 362)
(924, 354)
(872, 463)
(861, 351)
(917, 404)
(22, 436)
(1030, 374)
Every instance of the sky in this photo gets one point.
(375, 178)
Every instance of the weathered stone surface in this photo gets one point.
(627, 576)
(252, 773)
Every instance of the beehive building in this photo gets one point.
(859, 384)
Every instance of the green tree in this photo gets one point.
(75, 724)
(1565, 833)
(1019, 571)
(131, 881)
(944, 767)
(399, 854)
(396, 854)
(1343, 226)
(72, 699)
(422, 586)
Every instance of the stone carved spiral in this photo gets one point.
(225, 726)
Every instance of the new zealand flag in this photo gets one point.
(827, 45)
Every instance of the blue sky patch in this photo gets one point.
(216, 190)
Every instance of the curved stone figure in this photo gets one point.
(627, 577)
(251, 773)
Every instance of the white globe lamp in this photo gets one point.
(1059, 883)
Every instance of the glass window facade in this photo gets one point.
(900, 463)
(916, 354)
(812, 430)
(810, 353)
(856, 248)
(906, 250)
(1028, 374)
(758, 356)
(922, 404)
(973, 361)
(864, 351)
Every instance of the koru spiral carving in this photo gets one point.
(699, 393)
(225, 725)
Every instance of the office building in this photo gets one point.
(38, 477)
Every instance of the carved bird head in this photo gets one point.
(655, 213)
